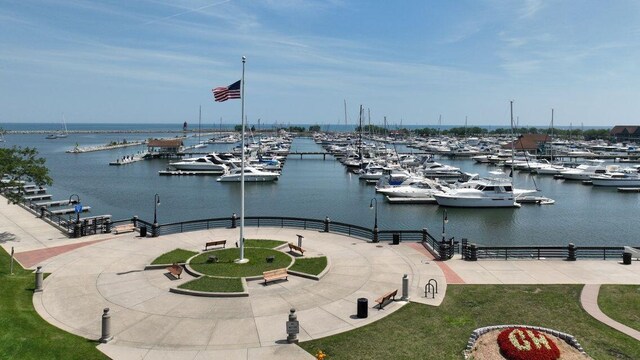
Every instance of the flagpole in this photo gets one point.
(242, 260)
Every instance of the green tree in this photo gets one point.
(314, 128)
(19, 166)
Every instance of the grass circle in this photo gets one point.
(227, 267)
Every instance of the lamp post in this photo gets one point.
(76, 202)
(156, 202)
(444, 221)
(375, 223)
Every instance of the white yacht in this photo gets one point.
(483, 193)
(584, 171)
(202, 163)
(425, 188)
(251, 174)
(616, 179)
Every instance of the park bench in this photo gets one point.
(175, 270)
(124, 228)
(386, 297)
(276, 274)
(215, 243)
(296, 247)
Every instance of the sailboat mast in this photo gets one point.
(513, 141)
(551, 152)
(199, 122)
(345, 112)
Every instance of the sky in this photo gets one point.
(415, 62)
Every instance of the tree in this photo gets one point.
(19, 166)
(314, 128)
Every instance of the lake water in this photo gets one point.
(315, 188)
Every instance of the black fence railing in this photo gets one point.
(570, 252)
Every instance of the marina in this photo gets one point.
(316, 186)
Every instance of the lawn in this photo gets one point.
(263, 243)
(612, 298)
(174, 256)
(214, 284)
(23, 333)
(227, 267)
(419, 331)
(313, 266)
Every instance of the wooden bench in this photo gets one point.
(296, 247)
(175, 270)
(276, 274)
(386, 297)
(124, 228)
(215, 243)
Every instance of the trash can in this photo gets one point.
(363, 308)
(143, 231)
(396, 239)
(626, 258)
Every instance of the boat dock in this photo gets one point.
(84, 149)
(183, 172)
(629, 189)
(130, 159)
(69, 210)
(407, 200)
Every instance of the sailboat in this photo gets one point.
(200, 144)
(59, 134)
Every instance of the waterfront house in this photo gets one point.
(165, 147)
(532, 143)
(626, 132)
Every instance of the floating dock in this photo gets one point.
(407, 200)
(185, 172)
(69, 210)
(38, 197)
(538, 200)
(629, 189)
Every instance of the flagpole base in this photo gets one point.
(241, 261)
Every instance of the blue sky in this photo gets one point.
(155, 61)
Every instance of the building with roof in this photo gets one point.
(533, 143)
(626, 132)
(165, 147)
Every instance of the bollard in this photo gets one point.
(572, 252)
(135, 221)
(154, 230)
(405, 288)
(106, 327)
(300, 237)
(107, 226)
(234, 218)
(38, 287)
(42, 210)
(326, 224)
(473, 252)
(293, 327)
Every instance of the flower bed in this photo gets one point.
(527, 344)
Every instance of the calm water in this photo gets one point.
(315, 188)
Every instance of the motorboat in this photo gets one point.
(202, 163)
(584, 171)
(424, 188)
(251, 174)
(482, 193)
(434, 170)
(616, 179)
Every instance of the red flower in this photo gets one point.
(527, 344)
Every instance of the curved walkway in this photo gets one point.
(589, 301)
(150, 322)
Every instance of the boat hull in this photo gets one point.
(475, 202)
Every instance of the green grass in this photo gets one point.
(174, 256)
(419, 331)
(263, 243)
(313, 266)
(621, 303)
(23, 333)
(226, 266)
(214, 284)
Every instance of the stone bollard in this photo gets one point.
(572, 252)
(38, 287)
(234, 219)
(154, 230)
(106, 327)
(326, 224)
(405, 288)
(107, 226)
(473, 252)
(293, 327)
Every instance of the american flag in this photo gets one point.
(224, 93)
